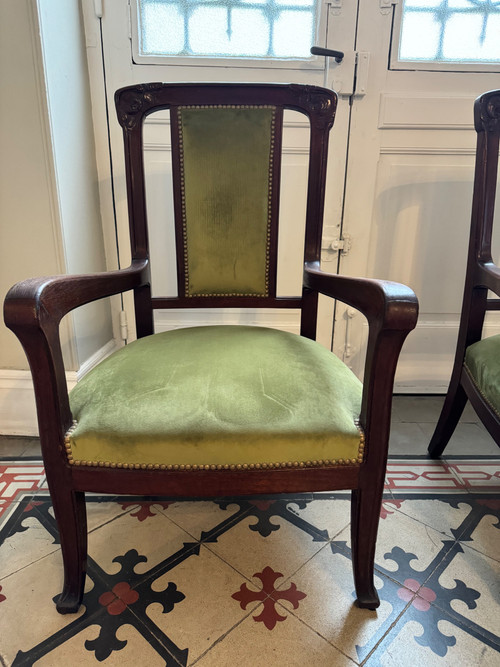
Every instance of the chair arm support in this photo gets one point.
(391, 310)
(488, 274)
(387, 304)
(33, 310)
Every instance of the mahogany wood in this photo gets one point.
(481, 275)
(34, 308)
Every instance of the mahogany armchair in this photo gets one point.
(476, 369)
(222, 410)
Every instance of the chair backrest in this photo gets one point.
(226, 162)
(487, 125)
(478, 277)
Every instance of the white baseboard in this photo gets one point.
(17, 399)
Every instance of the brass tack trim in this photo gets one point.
(282, 465)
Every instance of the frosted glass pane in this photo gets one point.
(419, 37)
(462, 38)
(227, 28)
(451, 31)
(423, 3)
(243, 32)
(154, 37)
(461, 4)
(295, 3)
(292, 34)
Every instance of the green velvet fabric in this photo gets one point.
(225, 154)
(482, 360)
(217, 395)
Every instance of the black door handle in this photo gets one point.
(329, 53)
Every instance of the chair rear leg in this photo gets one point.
(71, 517)
(453, 406)
(365, 513)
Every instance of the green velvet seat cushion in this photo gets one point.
(221, 395)
(482, 360)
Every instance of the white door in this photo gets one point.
(403, 135)
(410, 168)
(115, 38)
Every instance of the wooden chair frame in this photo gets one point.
(33, 310)
(482, 275)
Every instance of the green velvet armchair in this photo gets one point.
(219, 410)
(476, 369)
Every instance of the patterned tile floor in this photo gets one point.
(265, 581)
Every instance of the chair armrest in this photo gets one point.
(39, 300)
(33, 310)
(391, 305)
(391, 310)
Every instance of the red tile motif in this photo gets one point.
(423, 600)
(420, 476)
(474, 475)
(269, 615)
(389, 507)
(144, 509)
(16, 481)
(118, 598)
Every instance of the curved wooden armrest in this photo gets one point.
(37, 301)
(488, 274)
(390, 305)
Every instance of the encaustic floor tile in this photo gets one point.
(290, 644)
(264, 581)
(327, 577)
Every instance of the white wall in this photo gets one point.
(68, 94)
(30, 240)
(49, 207)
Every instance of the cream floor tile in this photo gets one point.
(156, 538)
(402, 649)
(23, 548)
(290, 644)
(486, 537)
(482, 576)
(208, 610)
(197, 517)
(101, 513)
(136, 653)
(284, 550)
(435, 513)
(28, 614)
(329, 606)
(325, 514)
(400, 531)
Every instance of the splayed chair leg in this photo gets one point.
(71, 517)
(453, 406)
(365, 512)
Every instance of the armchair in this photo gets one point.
(211, 411)
(476, 369)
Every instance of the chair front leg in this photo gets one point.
(71, 517)
(365, 512)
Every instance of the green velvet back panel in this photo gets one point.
(226, 156)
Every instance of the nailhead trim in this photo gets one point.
(322, 463)
(183, 200)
